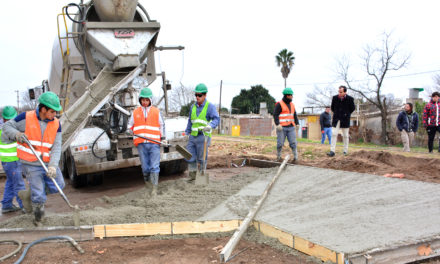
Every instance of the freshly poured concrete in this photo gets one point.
(346, 212)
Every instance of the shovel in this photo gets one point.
(75, 208)
(202, 178)
(183, 151)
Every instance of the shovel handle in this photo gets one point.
(152, 140)
(45, 169)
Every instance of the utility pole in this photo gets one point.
(18, 101)
(220, 106)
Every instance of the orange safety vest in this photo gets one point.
(287, 117)
(33, 133)
(147, 127)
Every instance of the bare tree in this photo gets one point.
(435, 87)
(180, 96)
(377, 63)
(320, 96)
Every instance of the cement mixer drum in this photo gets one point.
(115, 10)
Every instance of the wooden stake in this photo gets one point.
(227, 250)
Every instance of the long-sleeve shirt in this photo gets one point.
(145, 110)
(18, 124)
(325, 120)
(277, 112)
(211, 115)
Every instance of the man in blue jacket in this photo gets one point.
(407, 122)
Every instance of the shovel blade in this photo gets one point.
(202, 178)
(184, 152)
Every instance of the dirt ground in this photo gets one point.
(182, 250)
(223, 152)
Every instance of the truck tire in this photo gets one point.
(77, 181)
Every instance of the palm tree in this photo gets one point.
(285, 59)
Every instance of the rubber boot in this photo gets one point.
(38, 213)
(25, 196)
(192, 176)
(146, 177)
(154, 181)
(154, 191)
(278, 155)
(295, 155)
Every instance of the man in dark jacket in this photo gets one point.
(342, 107)
(431, 119)
(286, 120)
(407, 122)
(325, 119)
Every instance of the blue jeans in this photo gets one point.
(288, 132)
(40, 183)
(328, 132)
(14, 183)
(195, 146)
(149, 154)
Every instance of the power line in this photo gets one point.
(328, 83)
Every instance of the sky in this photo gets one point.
(236, 42)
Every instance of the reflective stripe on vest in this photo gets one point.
(149, 127)
(8, 152)
(200, 120)
(287, 116)
(33, 132)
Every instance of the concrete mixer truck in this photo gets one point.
(103, 56)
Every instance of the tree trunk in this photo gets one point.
(383, 136)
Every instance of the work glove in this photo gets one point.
(279, 128)
(322, 131)
(20, 137)
(51, 172)
(207, 128)
(164, 141)
(129, 132)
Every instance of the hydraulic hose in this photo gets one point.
(13, 252)
(73, 242)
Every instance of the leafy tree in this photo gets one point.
(224, 110)
(184, 110)
(285, 60)
(249, 100)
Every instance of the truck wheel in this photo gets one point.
(77, 181)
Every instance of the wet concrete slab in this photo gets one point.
(344, 211)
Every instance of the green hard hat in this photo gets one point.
(201, 88)
(146, 93)
(9, 112)
(288, 91)
(50, 100)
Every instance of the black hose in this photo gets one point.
(13, 252)
(80, 13)
(73, 242)
(93, 146)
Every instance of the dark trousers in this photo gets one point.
(431, 135)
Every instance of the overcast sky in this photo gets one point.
(236, 41)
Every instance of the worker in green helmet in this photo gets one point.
(43, 130)
(286, 120)
(147, 121)
(203, 117)
(12, 167)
